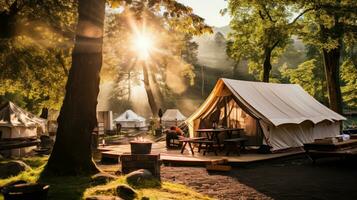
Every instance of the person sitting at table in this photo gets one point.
(173, 133)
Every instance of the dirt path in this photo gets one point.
(214, 185)
(285, 179)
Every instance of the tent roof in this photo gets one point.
(173, 115)
(274, 103)
(129, 116)
(12, 115)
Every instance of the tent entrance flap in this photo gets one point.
(228, 113)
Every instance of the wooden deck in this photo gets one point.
(342, 149)
(174, 156)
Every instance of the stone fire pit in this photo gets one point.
(141, 157)
(140, 147)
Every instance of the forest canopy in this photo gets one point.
(277, 41)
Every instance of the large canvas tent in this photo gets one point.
(279, 115)
(18, 123)
(172, 117)
(129, 119)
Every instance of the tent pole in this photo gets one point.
(225, 112)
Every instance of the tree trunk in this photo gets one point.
(332, 71)
(44, 113)
(149, 92)
(129, 85)
(235, 69)
(267, 65)
(156, 90)
(202, 81)
(71, 153)
(8, 21)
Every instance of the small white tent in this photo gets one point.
(129, 119)
(18, 123)
(279, 115)
(172, 117)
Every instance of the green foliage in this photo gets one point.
(260, 32)
(309, 76)
(324, 25)
(328, 23)
(32, 74)
(35, 51)
(349, 89)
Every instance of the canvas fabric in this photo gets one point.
(287, 115)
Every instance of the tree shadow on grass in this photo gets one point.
(65, 187)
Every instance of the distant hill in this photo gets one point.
(224, 30)
(212, 53)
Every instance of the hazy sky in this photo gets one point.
(209, 10)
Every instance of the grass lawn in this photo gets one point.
(79, 187)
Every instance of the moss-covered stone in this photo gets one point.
(102, 178)
(126, 192)
(142, 179)
(12, 168)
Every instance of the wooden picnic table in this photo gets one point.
(189, 141)
(212, 133)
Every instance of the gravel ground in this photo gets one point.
(214, 185)
(294, 179)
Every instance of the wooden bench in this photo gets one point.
(191, 141)
(207, 145)
(234, 144)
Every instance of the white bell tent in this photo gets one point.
(129, 119)
(279, 115)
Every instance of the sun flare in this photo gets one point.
(143, 45)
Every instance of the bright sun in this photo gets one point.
(143, 45)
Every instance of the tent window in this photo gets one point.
(236, 117)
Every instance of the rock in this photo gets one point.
(145, 198)
(46, 141)
(142, 178)
(126, 192)
(102, 178)
(100, 197)
(12, 168)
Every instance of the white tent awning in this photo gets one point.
(173, 115)
(11, 115)
(129, 116)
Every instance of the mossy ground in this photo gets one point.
(79, 187)
(152, 190)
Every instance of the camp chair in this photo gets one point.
(172, 139)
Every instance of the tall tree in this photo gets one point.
(349, 89)
(331, 25)
(72, 150)
(172, 52)
(259, 33)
